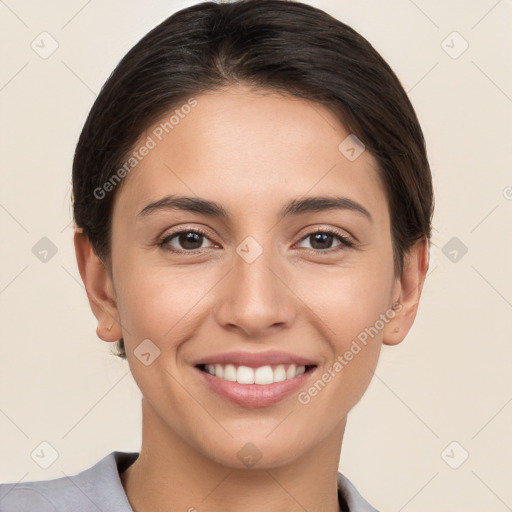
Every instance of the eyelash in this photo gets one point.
(345, 241)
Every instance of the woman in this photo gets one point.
(253, 207)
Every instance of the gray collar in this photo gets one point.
(99, 488)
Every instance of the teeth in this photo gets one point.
(245, 375)
(279, 373)
(230, 373)
(262, 375)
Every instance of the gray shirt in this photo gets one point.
(99, 488)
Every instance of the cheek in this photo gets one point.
(346, 301)
(164, 303)
(349, 307)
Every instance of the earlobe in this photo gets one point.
(408, 287)
(99, 288)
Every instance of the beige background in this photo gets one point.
(448, 381)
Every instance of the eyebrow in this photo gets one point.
(294, 207)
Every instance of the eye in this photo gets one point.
(189, 240)
(322, 240)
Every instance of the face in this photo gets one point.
(259, 276)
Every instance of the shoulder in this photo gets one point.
(98, 487)
(354, 500)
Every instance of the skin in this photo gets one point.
(251, 152)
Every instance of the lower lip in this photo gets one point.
(255, 395)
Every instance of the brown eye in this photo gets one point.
(323, 240)
(184, 241)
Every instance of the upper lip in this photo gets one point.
(255, 359)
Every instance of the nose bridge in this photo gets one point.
(256, 298)
(253, 262)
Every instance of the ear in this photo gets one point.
(407, 290)
(99, 288)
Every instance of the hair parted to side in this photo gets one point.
(279, 45)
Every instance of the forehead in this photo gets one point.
(246, 147)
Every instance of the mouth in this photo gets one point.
(255, 379)
(261, 375)
(255, 386)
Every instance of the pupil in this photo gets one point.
(321, 237)
(189, 239)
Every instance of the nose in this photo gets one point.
(255, 297)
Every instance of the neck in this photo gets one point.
(171, 475)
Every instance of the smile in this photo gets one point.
(257, 387)
(262, 375)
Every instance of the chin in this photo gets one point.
(256, 451)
